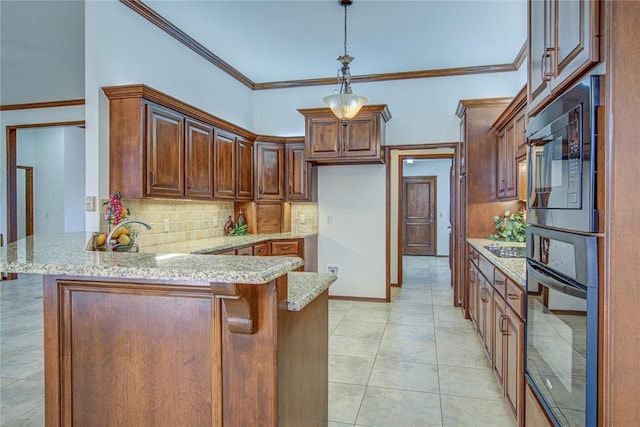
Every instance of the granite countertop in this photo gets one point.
(65, 254)
(514, 268)
(213, 244)
(305, 287)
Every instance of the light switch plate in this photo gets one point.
(302, 219)
(165, 225)
(90, 203)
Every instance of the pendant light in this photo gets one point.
(345, 104)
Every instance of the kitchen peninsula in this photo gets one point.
(177, 338)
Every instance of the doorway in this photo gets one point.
(419, 219)
(25, 201)
(72, 161)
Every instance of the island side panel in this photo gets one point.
(249, 361)
(303, 365)
(120, 353)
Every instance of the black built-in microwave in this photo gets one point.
(562, 161)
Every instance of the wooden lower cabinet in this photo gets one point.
(496, 306)
(162, 353)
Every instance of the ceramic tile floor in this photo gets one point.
(412, 362)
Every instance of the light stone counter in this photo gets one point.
(65, 254)
(515, 268)
(214, 244)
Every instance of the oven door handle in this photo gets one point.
(554, 283)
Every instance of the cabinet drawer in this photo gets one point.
(284, 247)
(261, 249)
(229, 252)
(500, 283)
(486, 267)
(515, 297)
(248, 250)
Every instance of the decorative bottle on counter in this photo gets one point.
(229, 226)
(241, 220)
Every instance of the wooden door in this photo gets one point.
(324, 137)
(165, 152)
(244, 175)
(225, 166)
(461, 241)
(199, 159)
(297, 173)
(26, 200)
(270, 170)
(360, 136)
(419, 215)
(474, 278)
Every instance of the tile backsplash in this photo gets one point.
(192, 220)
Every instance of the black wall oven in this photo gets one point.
(562, 324)
(562, 161)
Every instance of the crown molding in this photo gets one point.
(158, 20)
(479, 103)
(519, 101)
(47, 104)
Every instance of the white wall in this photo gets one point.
(74, 176)
(121, 48)
(354, 239)
(440, 169)
(21, 117)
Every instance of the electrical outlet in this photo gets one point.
(329, 219)
(165, 224)
(90, 203)
(302, 219)
(215, 221)
(333, 269)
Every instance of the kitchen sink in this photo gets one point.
(92, 246)
(507, 251)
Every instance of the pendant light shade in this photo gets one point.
(345, 104)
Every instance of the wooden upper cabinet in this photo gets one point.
(225, 166)
(162, 147)
(165, 152)
(563, 44)
(328, 141)
(300, 185)
(270, 171)
(199, 159)
(511, 140)
(245, 167)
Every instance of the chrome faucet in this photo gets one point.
(125, 222)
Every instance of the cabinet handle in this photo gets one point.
(505, 328)
(500, 324)
(484, 295)
(546, 74)
(513, 296)
(284, 248)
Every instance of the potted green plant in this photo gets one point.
(511, 227)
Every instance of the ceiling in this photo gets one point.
(271, 41)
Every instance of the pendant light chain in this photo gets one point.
(345, 30)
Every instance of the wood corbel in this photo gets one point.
(240, 305)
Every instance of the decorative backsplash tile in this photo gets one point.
(188, 219)
(192, 220)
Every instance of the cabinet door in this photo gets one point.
(514, 363)
(298, 173)
(577, 26)
(362, 137)
(473, 293)
(499, 315)
(164, 152)
(270, 170)
(502, 148)
(540, 38)
(520, 131)
(199, 159)
(244, 175)
(324, 137)
(225, 166)
(461, 145)
(486, 320)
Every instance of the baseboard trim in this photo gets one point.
(348, 298)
